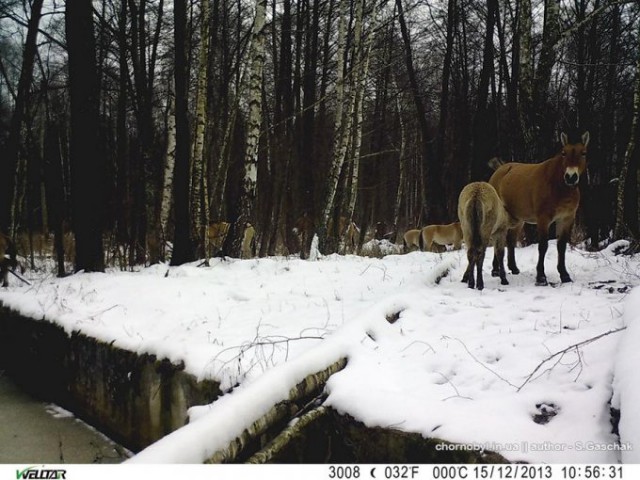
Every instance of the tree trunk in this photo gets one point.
(182, 244)
(10, 158)
(248, 193)
(525, 86)
(484, 124)
(169, 165)
(123, 180)
(279, 414)
(55, 190)
(340, 134)
(87, 157)
(400, 192)
(363, 55)
(621, 230)
(433, 204)
(199, 191)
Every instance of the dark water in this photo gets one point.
(35, 432)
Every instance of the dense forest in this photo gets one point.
(136, 127)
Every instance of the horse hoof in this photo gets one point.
(495, 273)
(504, 281)
(480, 287)
(542, 282)
(515, 270)
(565, 278)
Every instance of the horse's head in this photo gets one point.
(574, 159)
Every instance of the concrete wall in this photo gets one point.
(135, 399)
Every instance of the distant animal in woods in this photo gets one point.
(484, 222)
(216, 234)
(348, 231)
(411, 240)
(433, 236)
(33, 242)
(249, 241)
(8, 258)
(352, 236)
(542, 194)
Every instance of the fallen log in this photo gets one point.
(267, 427)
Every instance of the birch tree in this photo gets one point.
(340, 132)
(248, 191)
(169, 165)
(199, 190)
(363, 56)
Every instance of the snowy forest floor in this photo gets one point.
(510, 368)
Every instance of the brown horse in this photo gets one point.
(484, 222)
(216, 235)
(411, 240)
(542, 194)
(433, 235)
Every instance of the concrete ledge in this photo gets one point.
(135, 399)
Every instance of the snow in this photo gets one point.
(626, 386)
(454, 365)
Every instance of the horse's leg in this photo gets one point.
(495, 266)
(543, 244)
(564, 232)
(468, 274)
(512, 239)
(479, 263)
(499, 255)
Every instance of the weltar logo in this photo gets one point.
(40, 473)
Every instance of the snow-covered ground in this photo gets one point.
(458, 364)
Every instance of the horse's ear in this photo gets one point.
(563, 139)
(585, 138)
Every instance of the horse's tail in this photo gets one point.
(495, 163)
(475, 215)
(420, 241)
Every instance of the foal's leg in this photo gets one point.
(564, 232)
(479, 263)
(468, 274)
(543, 245)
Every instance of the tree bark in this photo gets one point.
(525, 85)
(182, 244)
(311, 386)
(169, 165)
(248, 192)
(621, 229)
(199, 190)
(433, 205)
(10, 158)
(87, 158)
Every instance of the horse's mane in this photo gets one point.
(495, 163)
